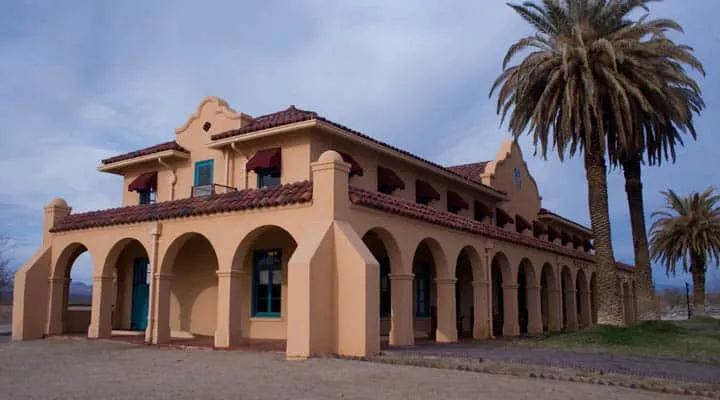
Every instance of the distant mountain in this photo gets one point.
(80, 289)
(80, 293)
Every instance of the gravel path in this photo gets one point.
(81, 369)
(639, 366)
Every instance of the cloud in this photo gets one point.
(78, 84)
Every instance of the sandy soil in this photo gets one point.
(82, 369)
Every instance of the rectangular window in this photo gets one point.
(203, 173)
(267, 177)
(148, 196)
(267, 283)
(385, 286)
(422, 291)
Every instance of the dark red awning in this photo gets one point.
(355, 167)
(552, 233)
(502, 218)
(482, 210)
(521, 223)
(388, 178)
(146, 181)
(538, 229)
(456, 201)
(565, 238)
(425, 190)
(266, 159)
(577, 242)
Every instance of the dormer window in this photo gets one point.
(455, 202)
(148, 196)
(425, 193)
(267, 165)
(388, 181)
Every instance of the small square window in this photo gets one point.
(268, 177)
(206, 126)
(148, 196)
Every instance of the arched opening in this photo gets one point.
(500, 275)
(567, 299)
(526, 283)
(464, 294)
(381, 244)
(192, 261)
(581, 300)
(548, 285)
(72, 291)
(264, 255)
(129, 264)
(593, 298)
(427, 264)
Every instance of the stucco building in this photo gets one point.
(289, 226)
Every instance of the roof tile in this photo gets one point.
(471, 171)
(173, 145)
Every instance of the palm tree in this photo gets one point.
(578, 90)
(687, 229)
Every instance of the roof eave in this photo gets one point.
(116, 167)
(565, 221)
(219, 143)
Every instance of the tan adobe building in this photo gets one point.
(289, 226)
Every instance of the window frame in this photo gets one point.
(258, 254)
(200, 164)
(147, 196)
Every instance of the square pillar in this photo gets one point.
(161, 323)
(585, 312)
(56, 308)
(229, 328)
(402, 331)
(571, 321)
(446, 331)
(511, 324)
(534, 304)
(481, 310)
(101, 311)
(555, 310)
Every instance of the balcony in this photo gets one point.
(211, 189)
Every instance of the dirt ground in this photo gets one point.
(84, 369)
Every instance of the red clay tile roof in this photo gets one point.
(173, 145)
(293, 193)
(626, 267)
(395, 205)
(545, 211)
(471, 171)
(293, 115)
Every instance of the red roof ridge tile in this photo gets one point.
(395, 205)
(291, 193)
(171, 145)
(545, 211)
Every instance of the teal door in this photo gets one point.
(140, 294)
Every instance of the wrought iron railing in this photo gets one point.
(213, 188)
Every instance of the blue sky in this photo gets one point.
(83, 80)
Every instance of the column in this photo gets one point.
(481, 310)
(229, 329)
(534, 304)
(402, 331)
(585, 311)
(511, 325)
(56, 308)
(161, 325)
(101, 311)
(446, 331)
(570, 310)
(555, 310)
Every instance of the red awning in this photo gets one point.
(521, 223)
(577, 242)
(455, 201)
(538, 229)
(388, 178)
(565, 238)
(482, 210)
(355, 168)
(503, 217)
(552, 233)
(146, 180)
(266, 159)
(425, 190)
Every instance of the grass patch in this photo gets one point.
(696, 340)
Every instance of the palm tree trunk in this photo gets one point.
(698, 275)
(643, 272)
(610, 309)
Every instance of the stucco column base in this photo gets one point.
(511, 325)
(480, 309)
(229, 328)
(446, 331)
(535, 326)
(571, 322)
(161, 325)
(56, 308)
(402, 331)
(101, 311)
(555, 311)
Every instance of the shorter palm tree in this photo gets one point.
(687, 229)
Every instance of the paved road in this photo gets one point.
(639, 366)
(82, 369)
